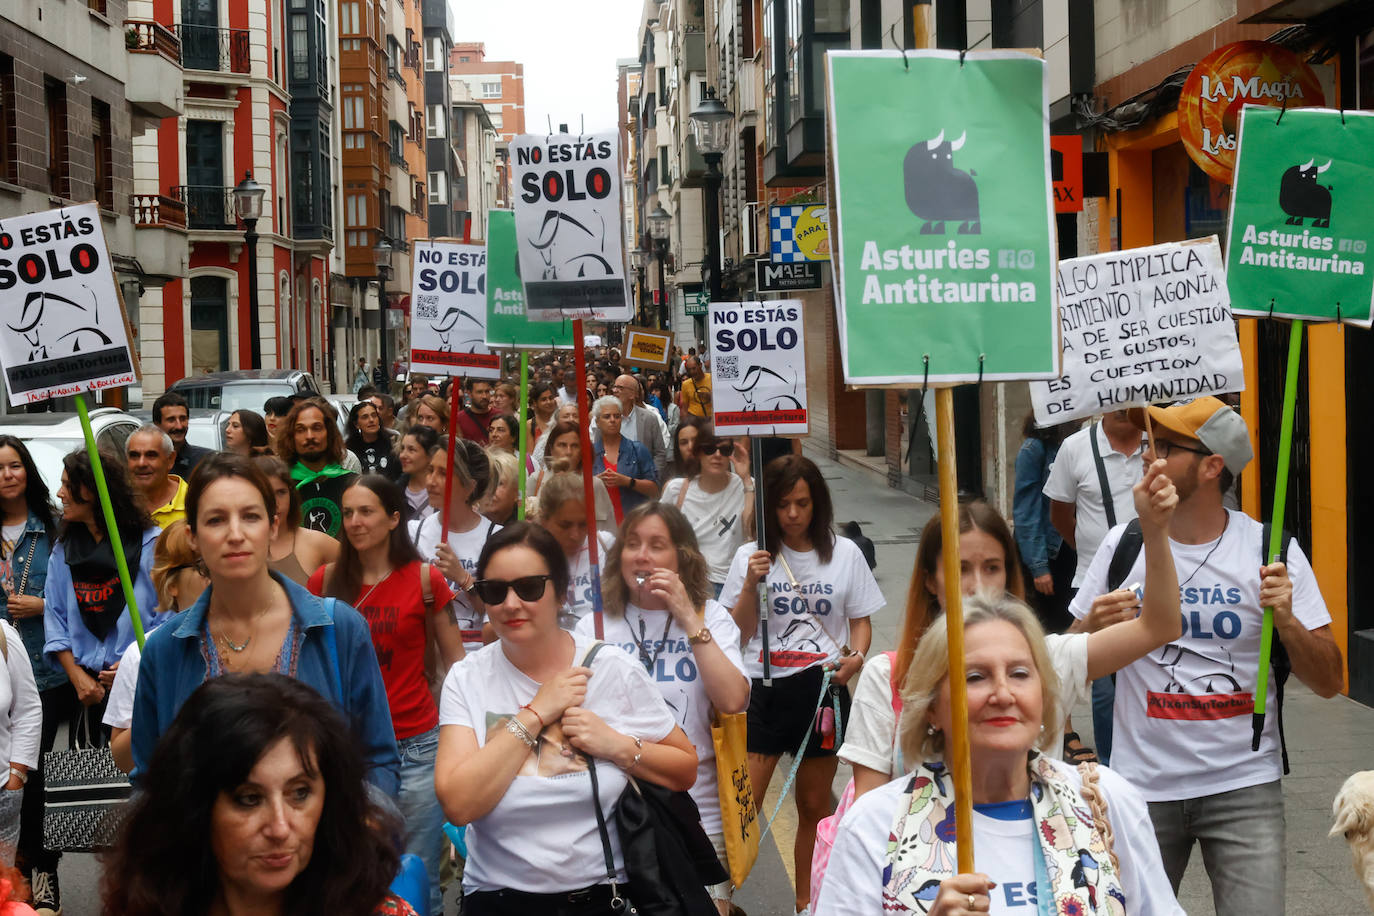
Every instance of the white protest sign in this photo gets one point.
(448, 311)
(568, 225)
(64, 328)
(758, 368)
(1141, 326)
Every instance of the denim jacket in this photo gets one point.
(1036, 536)
(634, 461)
(173, 667)
(33, 543)
(65, 630)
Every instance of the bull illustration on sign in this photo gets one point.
(49, 322)
(446, 325)
(776, 400)
(570, 249)
(1302, 198)
(936, 191)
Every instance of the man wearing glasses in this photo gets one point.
(1186, 711)
(696, 389)
(641, 422)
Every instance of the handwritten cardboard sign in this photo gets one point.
(1141, 326)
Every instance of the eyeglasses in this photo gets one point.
(726, 448)
(1163, 448)
(527, 588)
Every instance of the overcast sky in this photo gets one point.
(569, 49)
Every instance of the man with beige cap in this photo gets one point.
(1183, 713)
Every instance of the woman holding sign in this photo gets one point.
(822, 594)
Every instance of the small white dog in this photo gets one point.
(1354, 813)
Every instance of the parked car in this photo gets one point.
(250, 388)
(50, 436)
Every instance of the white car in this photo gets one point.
(50, 436)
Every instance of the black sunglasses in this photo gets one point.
(720, 448)
(527, 588)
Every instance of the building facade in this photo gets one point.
(500, 86)
(441, 160)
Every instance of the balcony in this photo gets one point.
(746, 86)
(154, 83)
(394, 74)
(204, 47)
(159, 234)
(206, 206)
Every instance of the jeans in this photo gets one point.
(423, 817)
(1242, 838)
(11, 801)
(1104, 701)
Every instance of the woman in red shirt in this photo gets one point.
(379, 573)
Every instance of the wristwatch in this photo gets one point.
(700, 636)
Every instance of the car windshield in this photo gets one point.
(250, 395)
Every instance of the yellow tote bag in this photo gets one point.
(739, 818)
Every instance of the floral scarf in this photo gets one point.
(921, 852)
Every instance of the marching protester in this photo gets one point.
(640, 422)
(503, 432)
(561, 509)
(414, 453)
(150, 457)
(823, 594)
(274, 411)
(171, 413)
(456, 550)
(370, 442)
(311, 445)
(254, 801)
(295, 551)
(695, 395)
(380, 573)
(386, 412)
(28, 535)
(499, 503)
(621, 463)
(245, 433)
(563, 453)
(524, 725)
(717, 496)
(477, 415)
(1044, 833)
(659, 609)
(505, 398)
(250, 619)
(87, 624)
(1216, 791)
(684, 447)
(429, 410)
(989, 566)
(543, 405)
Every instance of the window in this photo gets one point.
(300, 46)
(354, 141)
(490, 90)
(97, 6)
(104, 165)
(435, 58)
(435, 122)
(438, 188)
(55, 97)
(497, 119)
(348, 18)
(8, 135)
(398, 140)
(464, 59)
(356, 209)
(354, 113)
(663, 177)
(417, 195)
(460, 132)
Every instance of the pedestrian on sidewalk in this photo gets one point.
(822, 594)
(1049, 562)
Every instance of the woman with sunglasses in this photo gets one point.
(717, 496)
(380, 573)
(659, 609)
(823, 595)
(519, 726)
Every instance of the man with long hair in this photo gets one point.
(309, 441)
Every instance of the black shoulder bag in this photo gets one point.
(669, 859)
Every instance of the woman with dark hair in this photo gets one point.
(455, 551)
(252, 619)
(659, 609)
(295, 551)
(245, 433)
(370, 442)
(521, 722)
(822, 594)
(988, 565)
(1044, 555)
(380, 573)
(717, 496)
(414, 453)
(504, 433)
(254, 802)
(26, 542)
(543, 404)
(86, 623)
(683, 462)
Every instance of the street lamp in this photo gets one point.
(381, 256)
(711, 126)
(248, 195)
(637, 263)
(660, 225)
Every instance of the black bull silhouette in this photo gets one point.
(938, 192)
(1302, 198)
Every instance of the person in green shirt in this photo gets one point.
(310, 443)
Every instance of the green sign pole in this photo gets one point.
(524, 428)
(111, 525)
(1290, 398)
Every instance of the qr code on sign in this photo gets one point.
(427, 307)
(727, 367)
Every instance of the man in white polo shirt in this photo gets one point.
(1184, 714)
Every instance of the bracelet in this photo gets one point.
(542, 724)
(24, 774)
(518, 729)
(639, 755)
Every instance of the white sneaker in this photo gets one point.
(47, 900)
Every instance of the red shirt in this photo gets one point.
(474, 425)
(395, 612)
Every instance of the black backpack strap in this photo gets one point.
(1279, 661)
(1106, 487)
(1124, 556)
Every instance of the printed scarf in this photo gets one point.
(921, 845)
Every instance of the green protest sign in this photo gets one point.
(508, 325)
(943, 216)
(1302, 215)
